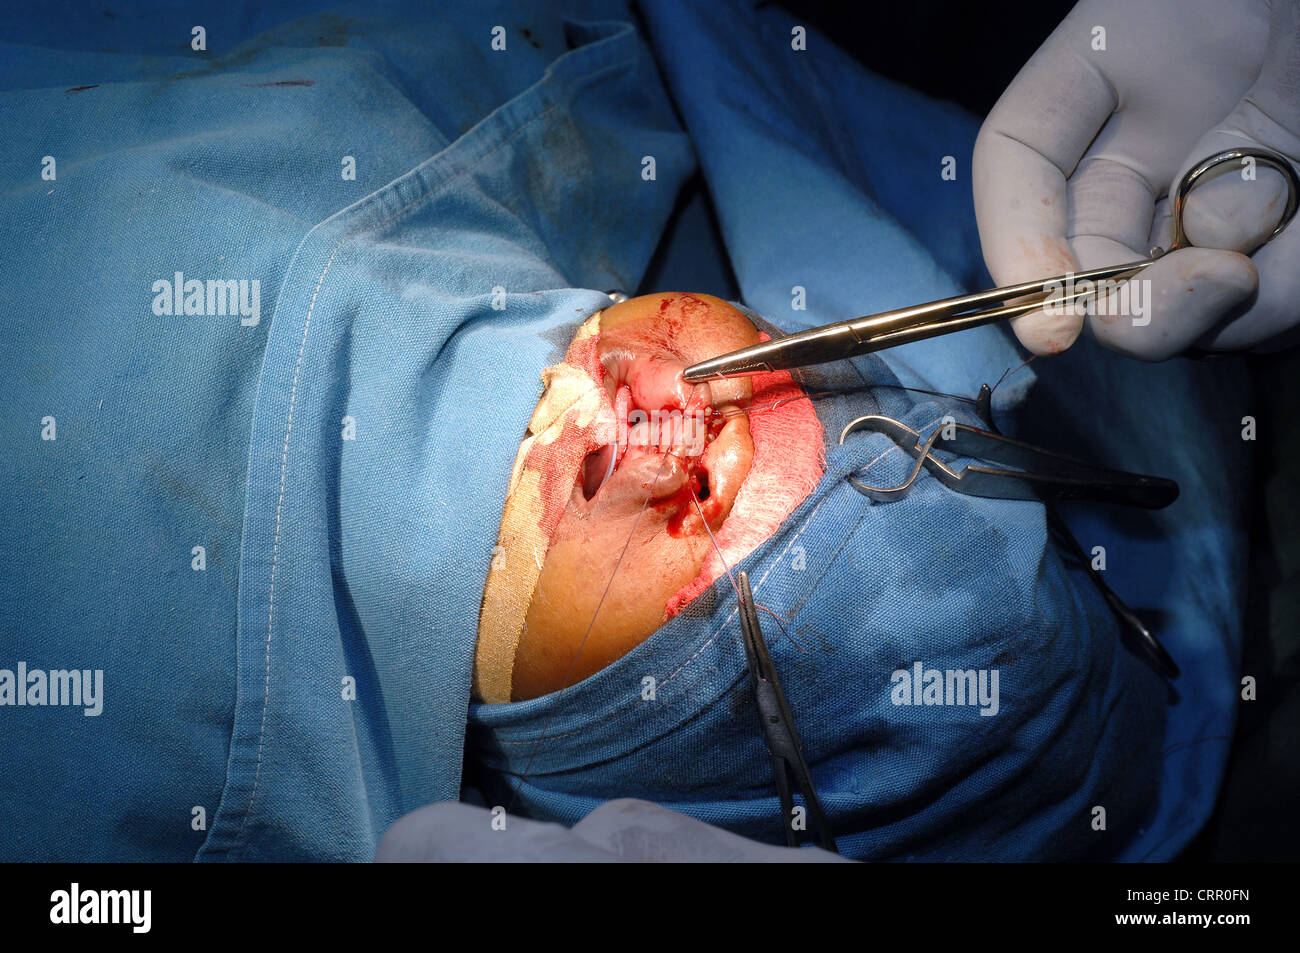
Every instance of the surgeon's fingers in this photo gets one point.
(642, 831)
(1172, 303)
(620, 830)
(1242, 206)
(1026, 151)
(1110, 213)
(1239, 209)
(456, 832)
(1275, 310)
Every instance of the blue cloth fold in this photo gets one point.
(342, 460)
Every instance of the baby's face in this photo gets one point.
(686, 453)
(646, 485)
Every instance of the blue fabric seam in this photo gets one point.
(549, 95)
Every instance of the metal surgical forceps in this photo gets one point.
(783, 744)
(1022, 471)
(876, 332)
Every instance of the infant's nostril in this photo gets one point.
(703, 477)
(596, 470)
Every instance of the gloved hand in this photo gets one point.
(1073, 166)
(621, 830)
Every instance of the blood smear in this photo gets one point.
(789, 460)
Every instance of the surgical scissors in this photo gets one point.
(876, 332)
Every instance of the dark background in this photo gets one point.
(968, 53)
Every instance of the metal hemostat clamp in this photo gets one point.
(784, 748)
(1056, 477)
(1028, 472)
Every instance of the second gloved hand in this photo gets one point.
(1073, 166)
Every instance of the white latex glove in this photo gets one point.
(621, 830)
(1073, 166)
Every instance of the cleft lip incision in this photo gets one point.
(668, 501)
(665, 445)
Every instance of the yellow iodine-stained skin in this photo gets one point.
(574, 404)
